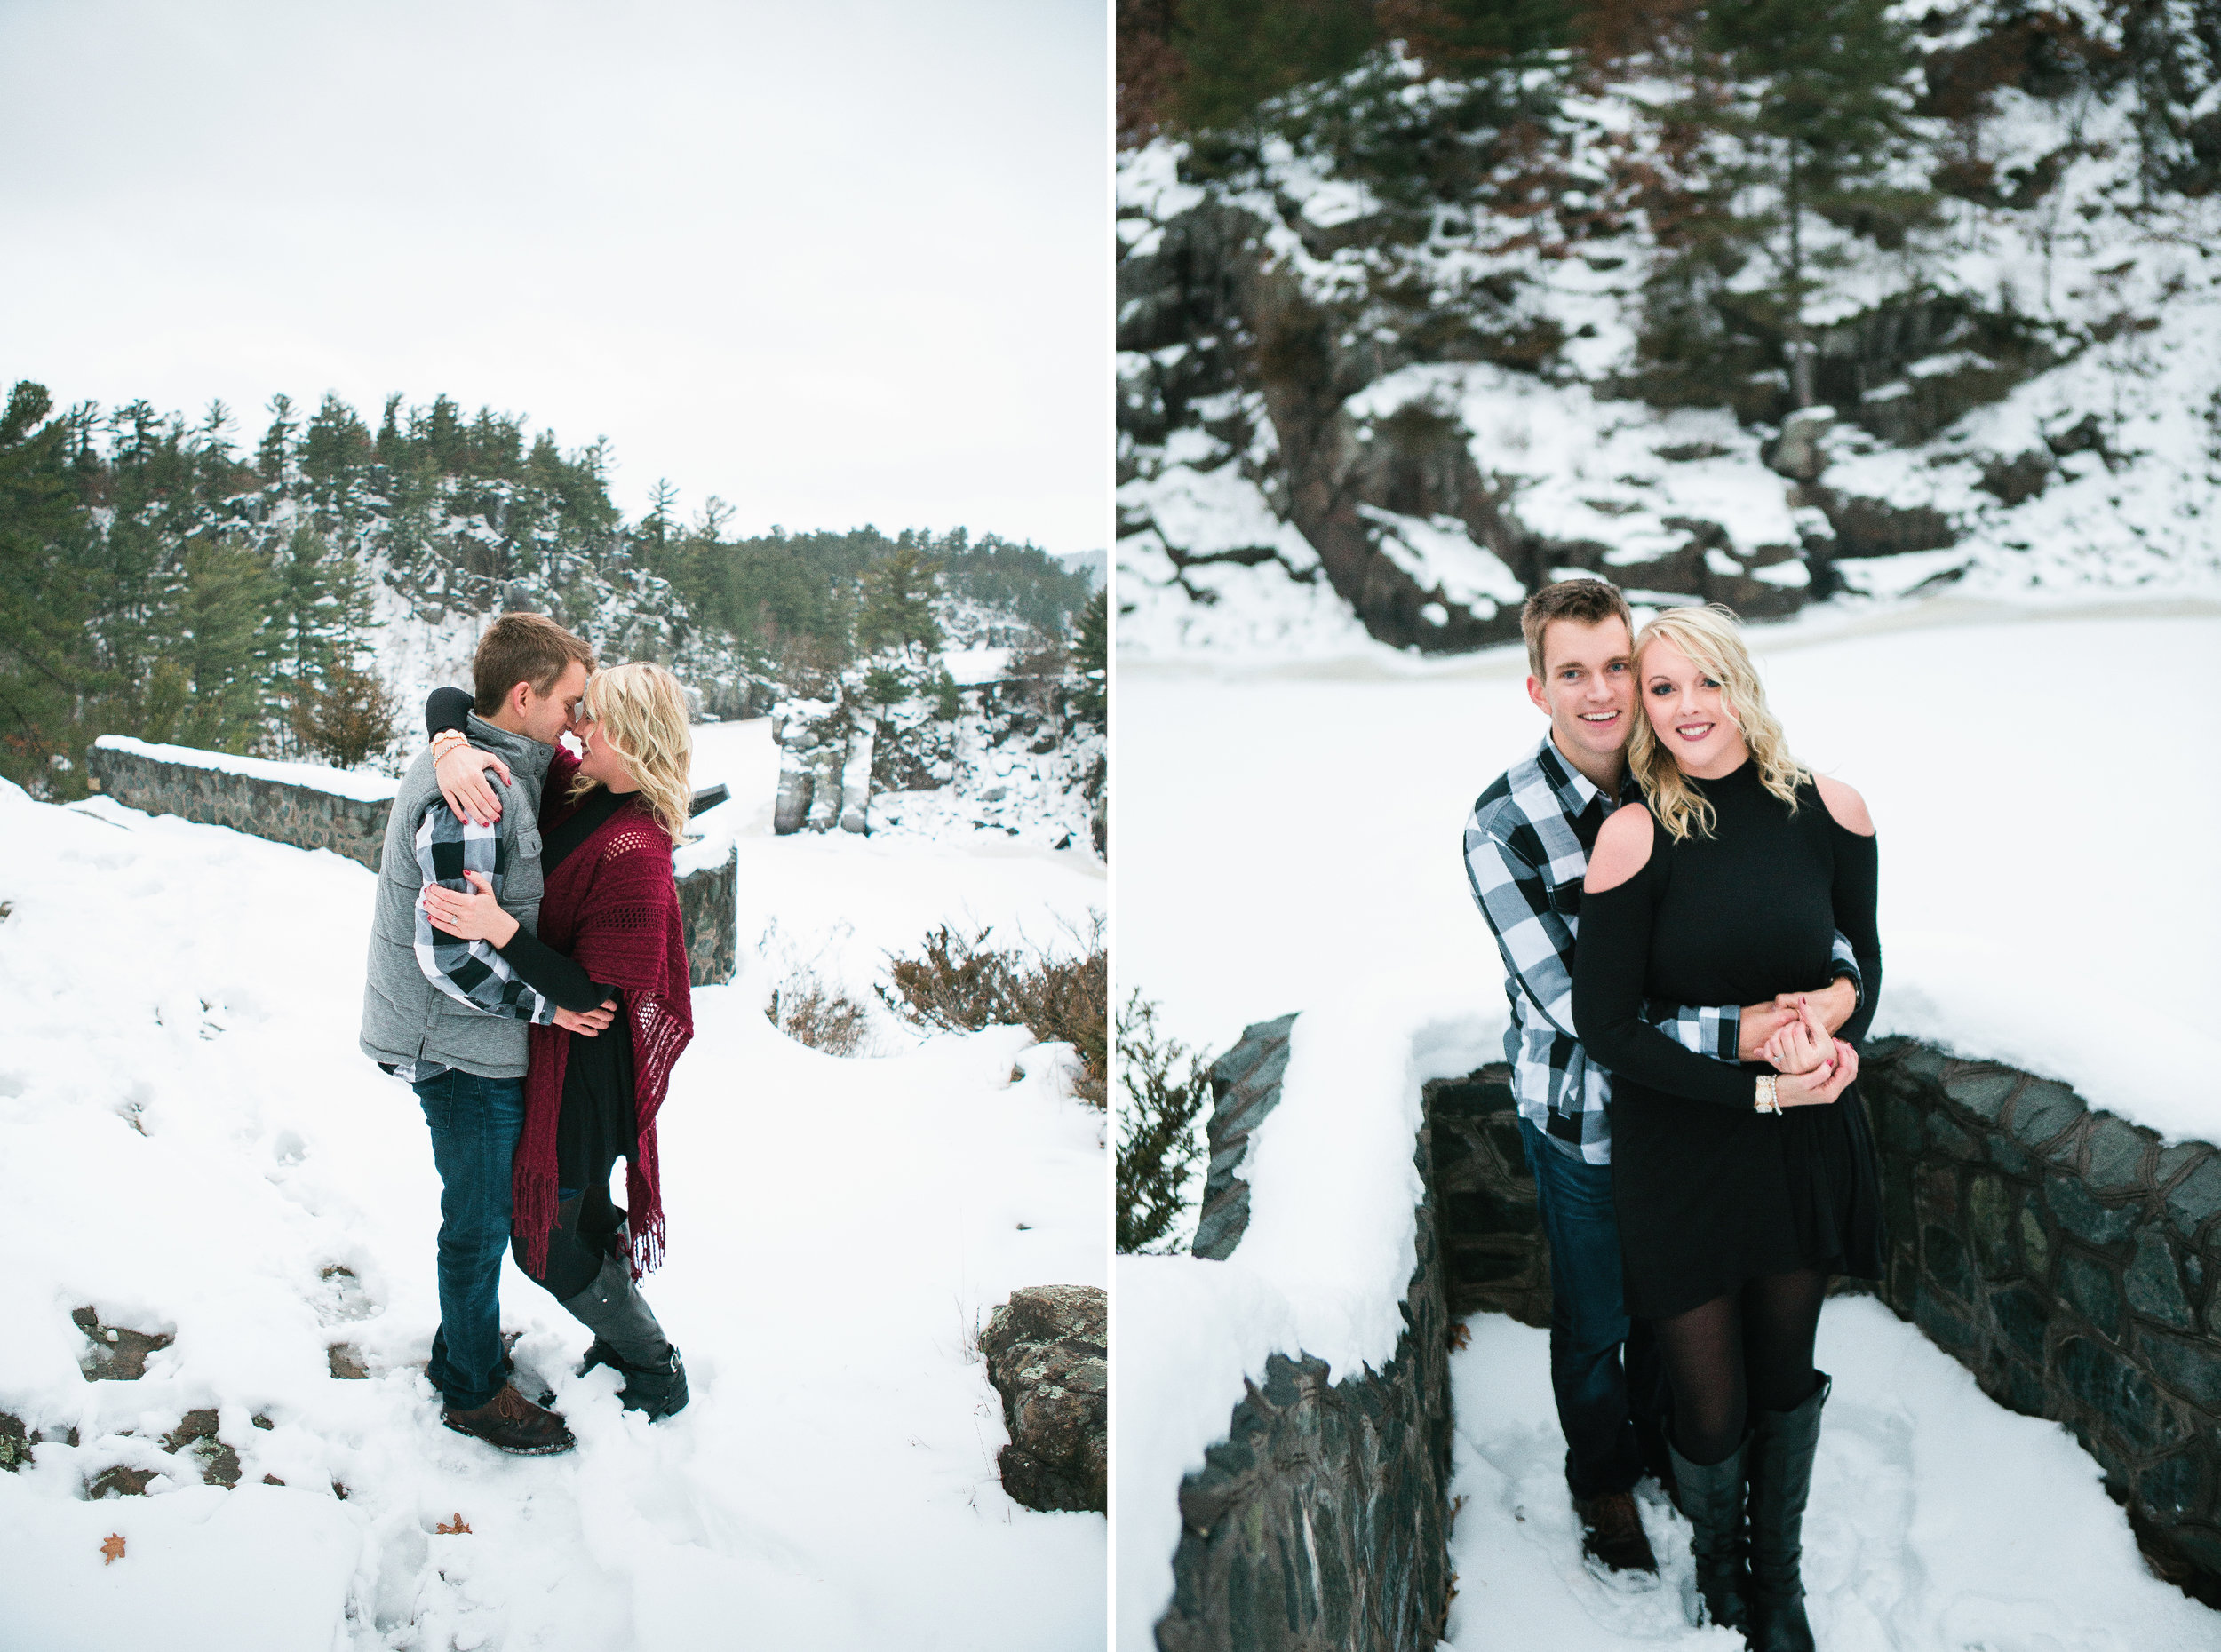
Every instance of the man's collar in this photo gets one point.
(525, 754)
(1575, 791)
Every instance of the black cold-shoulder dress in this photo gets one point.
(1709, 1192)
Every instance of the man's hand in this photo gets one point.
(1760, 1024)
(1831, 1004)
(461, 772)
(587, 1023)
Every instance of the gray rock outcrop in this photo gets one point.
(1046, 1357)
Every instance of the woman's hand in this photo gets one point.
(476, 916)
(461, 772)
(1824, 1083)
(1802, 1044)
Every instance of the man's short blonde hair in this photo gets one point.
(1584, 602)
(528, 648)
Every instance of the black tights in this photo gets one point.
(1749, 1350)
(580, 1239)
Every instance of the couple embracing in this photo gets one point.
(1686, 917)
(527, 978)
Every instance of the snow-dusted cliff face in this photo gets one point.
(1355, 401)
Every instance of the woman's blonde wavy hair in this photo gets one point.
(1713, 641)
(640, 712)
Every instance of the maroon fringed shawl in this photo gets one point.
(612, 904)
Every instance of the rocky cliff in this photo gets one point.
(1407, 346)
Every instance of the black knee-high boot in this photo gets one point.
(1782, 1446)
(627, 1336)
(1711, 1496)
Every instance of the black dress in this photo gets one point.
(1708, 1191)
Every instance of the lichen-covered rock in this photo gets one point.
(1046, 1357)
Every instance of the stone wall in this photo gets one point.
(1322, 1520)
(310, 817)
(2071, 1263)
(307, 816)
(1485, 1214)
(709, 901)
(2066, 1256)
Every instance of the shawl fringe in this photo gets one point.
(613, 905)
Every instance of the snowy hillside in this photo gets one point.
(1347, 409)
(240, 1180)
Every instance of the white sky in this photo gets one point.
(838, 262)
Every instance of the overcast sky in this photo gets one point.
(834, 262)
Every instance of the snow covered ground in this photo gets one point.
(1304, 818)
(195, 1147)
(1939, 1521)
(842, 903)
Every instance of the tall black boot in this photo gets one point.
(1711, 1496)
(1782, 1444)
(627, 1336)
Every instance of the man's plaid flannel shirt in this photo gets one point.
(1524, 861)
(469, 971)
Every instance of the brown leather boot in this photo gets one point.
(512, 1423)
(1612, 1532)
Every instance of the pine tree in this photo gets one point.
(1091, 656)
(1237, 53)
(303, 636)
(275, 456)
(44, 599)
(1813, 89)
(322, 615)
(226, 654)
(657, 526)
(1158, 1149)
(896, 611)
(351, 722)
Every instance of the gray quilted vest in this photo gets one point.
(405, 1018)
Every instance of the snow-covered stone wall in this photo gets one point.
(2072, 1262)
(303, 804)
(1323, 1517)
(2070, 1259)
(314, 807)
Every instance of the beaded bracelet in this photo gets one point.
(1769, 1094)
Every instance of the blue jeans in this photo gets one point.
(476, 1122)
(1588, 1321)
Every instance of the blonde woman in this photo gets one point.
(610, 936)
(1740, 1189)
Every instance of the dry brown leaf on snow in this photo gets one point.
(112, 1551)
(461, 1527)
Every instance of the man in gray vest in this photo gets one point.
(449, 1016)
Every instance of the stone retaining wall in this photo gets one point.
(309, 817)
(2066, 1256)
(1485, 1214)
(2074, 1265)
(1322, 1520)
(709, 902)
